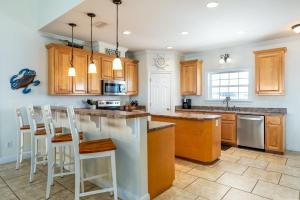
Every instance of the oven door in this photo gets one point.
(114, 87)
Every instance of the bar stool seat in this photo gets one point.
(95, 146)
(43, 131)
(25, 127)
(65, 137)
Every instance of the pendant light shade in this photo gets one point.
(72, 71)
(117, 63)
(296, 28)
(92, 67)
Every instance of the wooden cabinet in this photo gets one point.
(228, 129)
(191, 77)
(131, 77)
(94, 80)
(80, 62)
(161, 160)
(59, 63)
(275, 133)
(106, 68)
(59, 83)
(269, 71)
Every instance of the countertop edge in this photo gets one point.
(157, 125)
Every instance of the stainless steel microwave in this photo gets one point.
(113, 87)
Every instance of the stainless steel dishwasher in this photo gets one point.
(251, 131)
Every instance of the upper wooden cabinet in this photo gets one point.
(269, 71)
(94, 80)
(191, 77)
(275, 133)
(131, 77)
(59, 83)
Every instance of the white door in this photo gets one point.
(160, 93)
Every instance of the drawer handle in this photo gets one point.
(251, 119)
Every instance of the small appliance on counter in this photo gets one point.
(186, 103)
(109, 104)
(114, 88)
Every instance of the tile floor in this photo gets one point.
(240, 174)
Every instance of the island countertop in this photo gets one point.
(156, 125)
(192, 116)
(104, 113)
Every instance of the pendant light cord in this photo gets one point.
(117, 35)
(92, 56)
(72, 46)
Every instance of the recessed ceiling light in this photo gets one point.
(126, 32)
(184, 33)
(212, 4)
(296, 28)
(169, 47)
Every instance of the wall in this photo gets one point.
(242, 56)
(147, 67)
(22, 46)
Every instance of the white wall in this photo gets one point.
(22, 46)
(147, 67)
(242, 56)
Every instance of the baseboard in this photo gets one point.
(8, 159)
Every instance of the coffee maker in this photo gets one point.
(186, 103)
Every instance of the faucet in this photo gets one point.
(227, 100)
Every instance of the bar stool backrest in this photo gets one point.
(48, 121)
(74, 131)
(31, 119)
(20, 122)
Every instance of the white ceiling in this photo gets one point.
(157, 24)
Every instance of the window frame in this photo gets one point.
(208, 91)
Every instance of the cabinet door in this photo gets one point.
(80, 80)
(228, 132)
(274, 133)
(188, 79)
(94, 80)
(62, 82)
(119, 74)
(131, 77)
(106, 68)
(270, 72)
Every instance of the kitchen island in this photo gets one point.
(197, 136)
(128, 131)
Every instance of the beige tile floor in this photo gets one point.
(240, 174)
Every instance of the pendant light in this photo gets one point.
(92, 67)
(72, 71)
(117, 63)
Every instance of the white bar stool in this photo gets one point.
(37, 134)
(89, 150)
(21, 131)
(54, 141)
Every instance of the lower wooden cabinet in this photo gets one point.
(228, 129)
(275, 133)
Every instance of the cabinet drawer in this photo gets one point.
(229, 117)
(275, 120)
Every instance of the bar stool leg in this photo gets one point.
(22, 148)
(50, 173)
(114, 176)
(35, 154)
(81, 175)
(61, 165)
(18, 151)
(77, 181)
(32, 159)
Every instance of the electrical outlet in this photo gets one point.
(10, 144)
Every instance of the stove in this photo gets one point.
(109, 104)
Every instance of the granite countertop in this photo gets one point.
(240, 110)
(105, 113)
(187, 115)
(156, 125)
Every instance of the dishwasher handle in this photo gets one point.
(251, 119)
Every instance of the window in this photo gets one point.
(228, 84)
